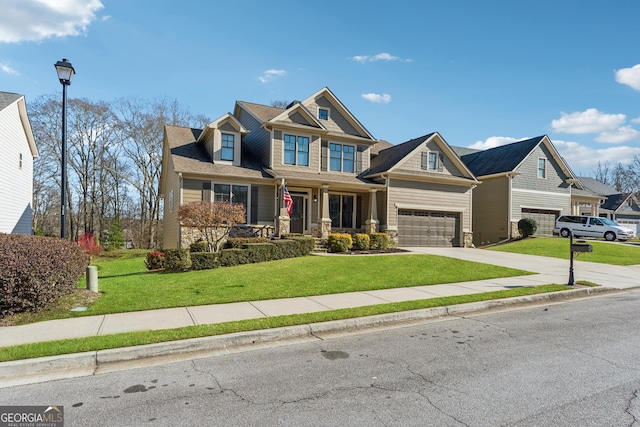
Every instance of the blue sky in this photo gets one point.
(480, 73)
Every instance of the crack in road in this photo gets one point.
(630, 406)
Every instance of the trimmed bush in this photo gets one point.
(260, 252)
(37, 271)
(361, 242)
(199, 246)
(204, 260)
(177, 259)
(527, 227)
(154, 260)
(240, 242)
(379, 241)
(232, 257)
(339, 242)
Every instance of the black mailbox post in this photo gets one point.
(579, 246)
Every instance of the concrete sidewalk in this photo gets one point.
(549, 270)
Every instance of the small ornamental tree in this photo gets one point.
(213, 219)
(89, 244)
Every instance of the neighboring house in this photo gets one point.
(525, 179)
(339, 176)
(16, 165)
(624, 208)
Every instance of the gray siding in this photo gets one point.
(257, 140)
(531, 199)
(266, 204)
(528, 178)
(491, 211)
(429, 196)
(191, 190)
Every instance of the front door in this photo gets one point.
(297, 215)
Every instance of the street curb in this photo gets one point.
(42, 369)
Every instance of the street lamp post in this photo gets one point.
(65, 75)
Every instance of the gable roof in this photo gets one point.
(189, 156)
(263, 113)
(7, 99)
(380, 145)
(388, 159)
(597, 187)
(505, 158)
(462, 151)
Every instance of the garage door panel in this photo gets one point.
(427, 228)
(545, 218)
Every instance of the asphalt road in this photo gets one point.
(575, 363)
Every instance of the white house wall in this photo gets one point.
(16, 189)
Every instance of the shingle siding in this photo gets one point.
(337, 122)
(528, 170)
(16, 191)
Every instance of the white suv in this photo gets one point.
(591, 226)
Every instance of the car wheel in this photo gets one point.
(565, 232)
(610, 236)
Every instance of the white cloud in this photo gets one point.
(620, 135)
(377, 98)
(384, 56)
(582, 158)
(8, 70)
(589, 121)
(629, 76)
(270, 75)
(636, 120)
(33, 20)
(494, 141)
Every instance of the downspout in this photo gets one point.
(509, 212)
(180, 186)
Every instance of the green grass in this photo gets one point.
(125, 285)
(603, 252)
(53, 348)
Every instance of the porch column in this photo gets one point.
(324, 224)
(372, 216)
(284, 221)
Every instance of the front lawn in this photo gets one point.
(556, 247)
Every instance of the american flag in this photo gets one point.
(287, 200)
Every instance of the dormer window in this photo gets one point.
(228, 142)
(323, 113)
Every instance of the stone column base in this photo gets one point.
(284, 225)
(371, 226)
(467, 237)
(324, 228)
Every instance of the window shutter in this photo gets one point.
(324, 155)
(424, 164)
(358, 161)
(440, 163)
(254, 205)
(206, 191)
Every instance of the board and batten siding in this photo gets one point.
(258, 140)
(428, 196)
(491, 211)
(16, 193)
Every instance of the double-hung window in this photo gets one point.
(542, 168)
(226, 151)
(296, 150)
(429, 160)
(341, 157)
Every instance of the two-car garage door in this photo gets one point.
(545, 218)
(427, 228)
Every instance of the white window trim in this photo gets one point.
(538, 168)
(355, 155)
(328, 110)
(295, 155)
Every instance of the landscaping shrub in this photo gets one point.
(339, 242)
(37, 271)
(154, 260)
(240, 242)
(204, 260)
(260, 252)
(361, 242)
(380, 241)
(527, 227)
(232, 257)
(199, 246)
(177, 259)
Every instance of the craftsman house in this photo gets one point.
(338, 175)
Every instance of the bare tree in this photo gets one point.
(214, 220)
(280, 103)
